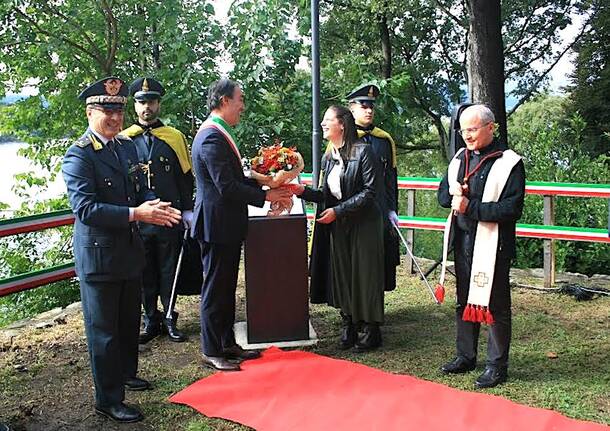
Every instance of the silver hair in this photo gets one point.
(483, 112)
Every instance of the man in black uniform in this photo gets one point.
(163, 154)
(362, 105)
(485, 187)
(105, 186)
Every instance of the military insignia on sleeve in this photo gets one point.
(82, 142)
(133, 169)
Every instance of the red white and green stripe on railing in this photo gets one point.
(563, 233)
(523, 230)
(61, 272)
(531, 187)
(35, 222)
(568, 189)
(34, 279)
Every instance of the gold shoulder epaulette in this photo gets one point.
(97, 145)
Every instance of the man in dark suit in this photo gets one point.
(163, 153)
(220, 221)
(105, 186)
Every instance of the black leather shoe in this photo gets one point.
(137, 384)
(491, 377)
(458, 366)
(150, 332)
(120, 413)
(369, 338)
(219, 363)
(172, 332)
(236, 352)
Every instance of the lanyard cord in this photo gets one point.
(468, 174)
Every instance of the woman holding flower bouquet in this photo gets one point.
(346, 204)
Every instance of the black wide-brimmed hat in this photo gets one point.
(146, 89)
(109, 93)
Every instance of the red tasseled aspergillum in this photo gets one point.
(489, 318)
(480, 316)
(439, 293)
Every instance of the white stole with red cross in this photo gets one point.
(486, 244)
(486, 238)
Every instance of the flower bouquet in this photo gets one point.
(275, 166)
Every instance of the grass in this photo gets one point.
(560, 360)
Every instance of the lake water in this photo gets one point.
(10, 165)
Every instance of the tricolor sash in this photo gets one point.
(220, 125)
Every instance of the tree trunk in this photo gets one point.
(486, 60)
(386, 47)
(155, 48)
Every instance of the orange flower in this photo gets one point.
(274, 158)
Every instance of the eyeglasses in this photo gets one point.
(108, 111)
(471, 130)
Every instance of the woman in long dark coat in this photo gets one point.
(348, 210)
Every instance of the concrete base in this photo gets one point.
(241, 337)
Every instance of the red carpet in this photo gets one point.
(293, 391)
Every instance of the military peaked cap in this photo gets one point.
(364, 93)
(146, 89)
(109, 93)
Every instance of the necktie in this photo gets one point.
(146, 135)
(112, 147)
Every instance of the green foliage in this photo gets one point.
(551, 145)
(60, 48)
(34, 251)
(69, 44)
(22, 305)
(590, 91)
(265, 50)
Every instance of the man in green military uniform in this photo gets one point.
(362, 104)
(164, 156)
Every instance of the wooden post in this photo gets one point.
(549, 244)
(410, 232)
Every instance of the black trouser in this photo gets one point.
(498, 342)
(220, 266)
(161, 258)
(111, 311)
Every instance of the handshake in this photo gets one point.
(281, 198)
(284, 192)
